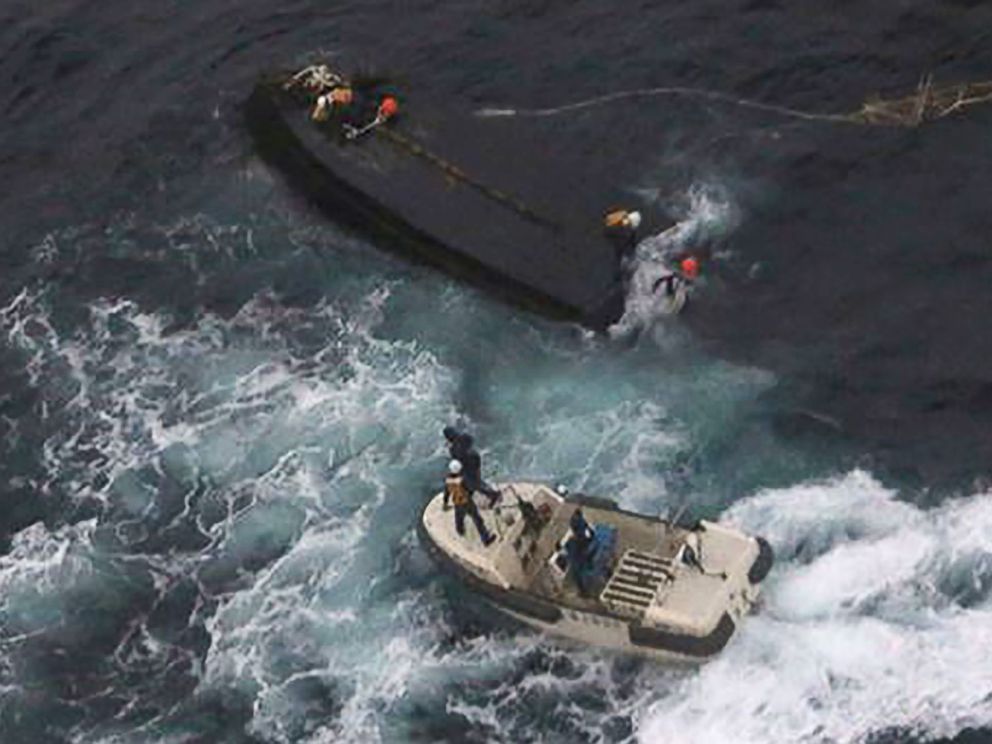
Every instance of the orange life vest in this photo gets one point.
(455, 488)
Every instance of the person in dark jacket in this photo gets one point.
(456, 492)
(461, 447)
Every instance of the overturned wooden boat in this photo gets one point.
(488, 200)
(646, 585)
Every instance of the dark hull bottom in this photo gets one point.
(522, 223)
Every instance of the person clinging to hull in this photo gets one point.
(356, 109)
(621, 227)
(461, 447)
(457, 493)
(337, 100)
(686, 273)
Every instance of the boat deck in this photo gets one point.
(633, 533)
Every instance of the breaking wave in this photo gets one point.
(237, 555)
(874, 620)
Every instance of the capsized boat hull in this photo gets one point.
(726, 585)
(489, 200)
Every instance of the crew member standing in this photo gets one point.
(457, 493)
(621, 226)
(461, 447)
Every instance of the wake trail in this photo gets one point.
(875, 619)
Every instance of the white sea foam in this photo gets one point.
(37, 575)
(878, 616)
(315, 449)
(321, 450)
(301, 442)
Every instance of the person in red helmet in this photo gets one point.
(339, 98)
(388, 108)
(689, 267)
(686, 273)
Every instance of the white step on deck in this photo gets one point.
(635, 582)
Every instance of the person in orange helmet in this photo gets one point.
(340, 97)
(621, 228)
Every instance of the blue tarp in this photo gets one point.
(593, 567)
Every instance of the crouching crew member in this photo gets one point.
(340, 97)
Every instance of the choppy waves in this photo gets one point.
(874, 620)
(232, 553)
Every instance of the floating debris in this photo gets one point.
(930, 102)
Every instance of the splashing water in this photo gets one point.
(875, 619)
(242, 561)
(706, 215)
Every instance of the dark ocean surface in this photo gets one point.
(220, 412)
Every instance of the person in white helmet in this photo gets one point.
(461, 447)
(457, 493)
(621, 227)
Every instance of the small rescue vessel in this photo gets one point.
(582, 568)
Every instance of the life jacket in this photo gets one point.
(617, 218)
(455, 488)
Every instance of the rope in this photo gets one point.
(710, 95)
(457, 174)
(930, 102)
(320, 77)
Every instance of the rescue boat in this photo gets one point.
(638, 584)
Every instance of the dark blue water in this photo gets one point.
(220, 412)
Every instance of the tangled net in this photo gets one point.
(928, 103)
(315, 78)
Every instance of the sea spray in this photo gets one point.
(705, 214)
(876, 617)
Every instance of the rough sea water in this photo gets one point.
(220, 413)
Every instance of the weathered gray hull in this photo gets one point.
(487, 200)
